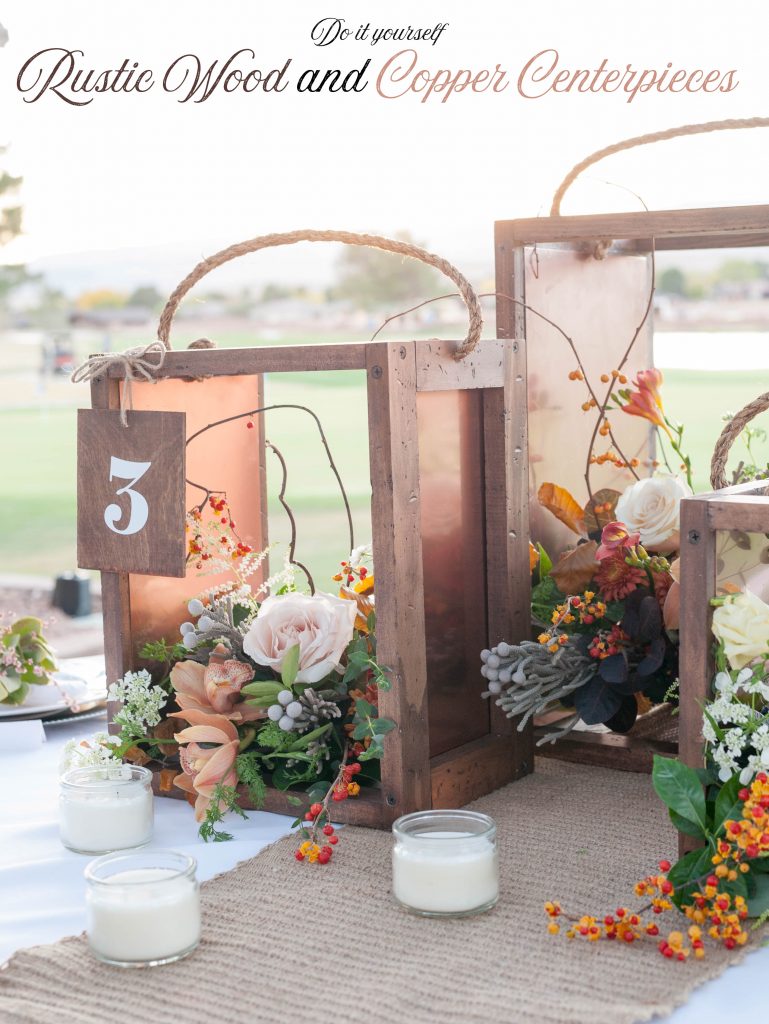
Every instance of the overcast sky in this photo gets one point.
(144, 170)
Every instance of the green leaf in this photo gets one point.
(364, 708)
(290, 666)
(689, 828)
(262, 693)
(295, 802)
(758, 900)
(677, 785)
(381, 726)
(686, 872)
(317, 792)
(315, 734)
(374, 751)
(714, 725)
(545, 562)
(728, 805)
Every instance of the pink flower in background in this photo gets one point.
(646, 401)
(204, 768)
(615, 537)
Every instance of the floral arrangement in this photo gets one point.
(25, 660)
(606, 610)
(274, 686)
(725, 806)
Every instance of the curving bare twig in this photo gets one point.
(290, 514)
(260, 411)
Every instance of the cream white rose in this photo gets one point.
(652, 508)
(321, 624)
(742, 623)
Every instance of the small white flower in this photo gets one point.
(95, 752)
(361, 554)
(141, 700)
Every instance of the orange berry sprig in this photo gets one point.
(713, 912)
(627, 925)
(583, 607)
(318, 834)
(348, 573)
(216, 538)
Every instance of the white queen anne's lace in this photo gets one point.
(736, 723)
(141, 700)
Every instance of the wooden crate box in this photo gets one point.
(449, 500)
(592, 275)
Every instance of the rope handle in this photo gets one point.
(466, 291)
(729, 435)
(643, 140)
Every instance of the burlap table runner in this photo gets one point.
(293, 942)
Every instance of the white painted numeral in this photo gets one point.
(124, 469)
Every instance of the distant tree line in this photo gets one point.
(730, 277)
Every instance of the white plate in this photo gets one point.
(86, 684)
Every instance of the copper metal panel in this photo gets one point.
(742, 562)
(451, 494)
(599, 304)
(228, 458)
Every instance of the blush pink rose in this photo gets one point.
(322, 625)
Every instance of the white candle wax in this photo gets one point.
(143, 915)
(113, 812)
(446, 873)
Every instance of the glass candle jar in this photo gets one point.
(445, 863)
(105, 808)
(143, 908)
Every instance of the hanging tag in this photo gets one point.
(131, 492)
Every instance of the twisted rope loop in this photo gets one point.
(643, 140)
(137, 365)
(729, 435)
(415, 252)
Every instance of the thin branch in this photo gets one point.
(552, 323)
(290, 514)
(324, 442)
(603, 406)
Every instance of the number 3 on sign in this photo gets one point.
(130, 510)
(124, 469)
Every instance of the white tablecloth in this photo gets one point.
(42, 888)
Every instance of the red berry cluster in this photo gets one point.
(345, 786)
(317, 831)
(349, 572)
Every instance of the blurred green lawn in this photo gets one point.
(37, 513)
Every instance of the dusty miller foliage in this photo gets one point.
(526, 680)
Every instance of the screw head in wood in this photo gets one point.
(391, 800)
(694, 536)
(402, 351)
(376, 372)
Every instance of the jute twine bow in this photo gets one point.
(729, 435)
(136, 363)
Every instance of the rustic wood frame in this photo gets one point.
(396, 373)
(642, 232)
(746, 508)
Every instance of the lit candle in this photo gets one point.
(103, 809)
(143, 908)
(445, 863)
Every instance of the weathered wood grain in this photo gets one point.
(720, 227)
(438, 370)
(397, 543)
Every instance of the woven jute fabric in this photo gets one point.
(293, 942)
